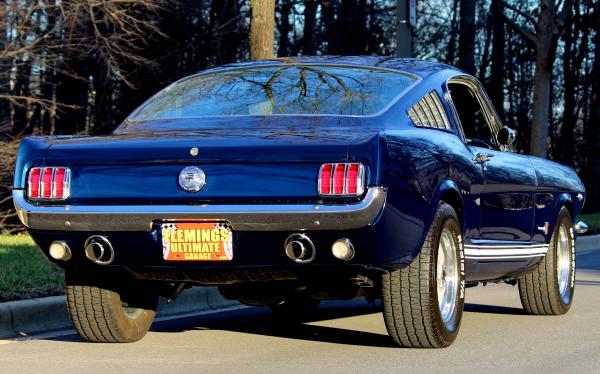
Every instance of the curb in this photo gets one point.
(30, 317)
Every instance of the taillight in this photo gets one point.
(33, 184)
(346, 179)
(325, 179)
(49, 183)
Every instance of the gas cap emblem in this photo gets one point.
(192, 179)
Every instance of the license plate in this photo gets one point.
(197, 241)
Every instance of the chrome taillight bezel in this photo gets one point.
(360, 180)
(53, 184)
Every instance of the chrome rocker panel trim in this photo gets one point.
(504, 252)
(277, 217)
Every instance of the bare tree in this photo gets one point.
(496, 82)
(544, 38)
(592, 172)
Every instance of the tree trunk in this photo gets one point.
(285, 48)
(72, 92)
(351, 27)
(496, 82)
(225, 30)
(403, 30)
(565, 143)
(330, 26)
(309, 46)
(466, 38)
(5, 66)
(544, 58)
(592, 172)
(20, 121)
(262, 26)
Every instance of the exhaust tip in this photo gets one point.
(60, 251)
(343, 249)
(99, 250)
(299, 248)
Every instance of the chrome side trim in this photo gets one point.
(504, 252)
(277, 217)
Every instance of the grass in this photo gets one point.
(25, 273)
(593, 221)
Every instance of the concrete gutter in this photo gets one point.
(29, 317)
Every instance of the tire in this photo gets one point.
(548, 290)
(413, 316)
(108, 313)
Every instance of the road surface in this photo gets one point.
(344, 337)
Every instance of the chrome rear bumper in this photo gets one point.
(277, 217)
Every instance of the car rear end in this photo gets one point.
(262, 204)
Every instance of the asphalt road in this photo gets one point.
(345, 337)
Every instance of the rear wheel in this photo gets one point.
(548, 290)
(109, 313)
(423, 303)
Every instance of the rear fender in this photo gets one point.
(32, 152)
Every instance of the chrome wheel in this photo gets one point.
(447, 278)
(563, 264)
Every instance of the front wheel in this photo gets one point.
(548, 290)
(423, 302)
(109, 313)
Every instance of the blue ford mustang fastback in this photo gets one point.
(287, 182)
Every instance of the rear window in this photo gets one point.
(276, 90)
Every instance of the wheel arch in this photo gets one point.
(449, 192)
(565, 200)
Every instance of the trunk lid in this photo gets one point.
(276, 164)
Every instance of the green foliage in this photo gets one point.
(593, 221)
(24, 271)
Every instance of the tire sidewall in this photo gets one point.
(97, 307)
(564, 219)
(133, 328)
(447, 219)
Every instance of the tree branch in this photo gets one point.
(528, 35)
(528, 17)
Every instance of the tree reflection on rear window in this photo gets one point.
(276, 90)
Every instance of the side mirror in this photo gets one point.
(506, 136)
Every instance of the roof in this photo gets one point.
(420, 68)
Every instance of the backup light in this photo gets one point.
(343, 249)
(343, 179)
(49, 183)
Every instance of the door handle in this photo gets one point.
(482, 158)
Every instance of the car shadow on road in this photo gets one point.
(493, 309)
(260, 321)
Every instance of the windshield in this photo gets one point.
(273, 90)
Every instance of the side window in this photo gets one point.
(472, 118)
